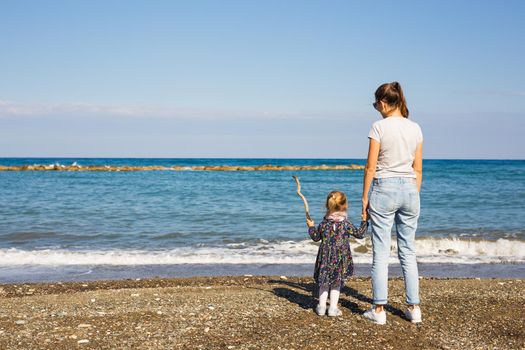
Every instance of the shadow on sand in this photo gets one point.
(308, 300)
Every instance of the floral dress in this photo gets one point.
(334, 260)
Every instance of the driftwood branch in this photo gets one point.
(306, 208)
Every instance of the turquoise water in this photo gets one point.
(472, 212)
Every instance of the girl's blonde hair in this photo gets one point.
(336, 201)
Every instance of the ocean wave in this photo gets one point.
(429, 250)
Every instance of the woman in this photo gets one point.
(395, 167)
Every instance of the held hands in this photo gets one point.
(310, 223)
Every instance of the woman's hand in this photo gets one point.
(310, 223)
(364, 209)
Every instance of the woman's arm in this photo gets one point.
(418, 165)
(370, 170)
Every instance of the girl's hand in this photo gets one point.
(310, 223)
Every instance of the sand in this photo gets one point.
(256, 313)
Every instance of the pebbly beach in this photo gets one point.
(255, 312)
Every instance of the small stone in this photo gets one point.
(84, 285)
(92, 300)
(284, 277)
(73, 336)
(211, 307)
(20, 322)
(206, 330)
(231, 347)
(83, 341)
(248, 275)
(84, 325)
(135, 295)
(159, 312)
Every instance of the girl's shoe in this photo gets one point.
(376, 317)
(334, 312)
(320, 310)
(414, 315)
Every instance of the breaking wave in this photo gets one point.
(429, 250)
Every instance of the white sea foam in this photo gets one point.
(429, 250)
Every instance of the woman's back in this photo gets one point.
(398, 138)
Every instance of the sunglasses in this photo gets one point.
(377, 105)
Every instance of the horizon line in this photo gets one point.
(245, 158)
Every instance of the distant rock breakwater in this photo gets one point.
(266, 167)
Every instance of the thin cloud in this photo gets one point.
(39, 109)
(10, 108)
(498, 93)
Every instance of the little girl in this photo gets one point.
(334, 260)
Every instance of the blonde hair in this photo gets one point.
(336, 201)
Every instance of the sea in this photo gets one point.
(86, 225)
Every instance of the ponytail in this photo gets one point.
(402, 102)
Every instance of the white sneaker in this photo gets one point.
(414, 315)
(334, 312)
(320, 310)
(376, 317)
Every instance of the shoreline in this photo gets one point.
(72, 273)
(255, 312)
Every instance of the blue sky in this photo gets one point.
(257, 78)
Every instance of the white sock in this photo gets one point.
(323, 295)
(334, 297)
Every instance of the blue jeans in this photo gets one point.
(394, 201)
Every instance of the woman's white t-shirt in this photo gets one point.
(398, 137)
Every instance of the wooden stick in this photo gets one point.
(307, 210)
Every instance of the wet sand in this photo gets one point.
(250, 312)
